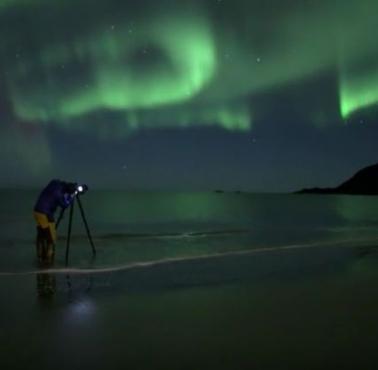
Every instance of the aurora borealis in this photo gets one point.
(202, 93)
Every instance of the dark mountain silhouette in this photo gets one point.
(364, 182)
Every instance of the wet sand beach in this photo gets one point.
(298, 308)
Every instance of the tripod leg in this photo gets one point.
(69, 231)
(86, 224)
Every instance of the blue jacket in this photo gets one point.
(54, 195)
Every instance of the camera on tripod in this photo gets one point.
(75, 190)
(81, 189)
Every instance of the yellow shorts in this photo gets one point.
(44, 223)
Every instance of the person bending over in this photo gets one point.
(56, 194)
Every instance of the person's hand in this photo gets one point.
(68, 198)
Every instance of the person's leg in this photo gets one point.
(42, 222)
(46, 237)
(39, 244)
(52, 228)
(51, 240)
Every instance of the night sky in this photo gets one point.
(265, 95)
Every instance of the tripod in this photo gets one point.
(72, 206)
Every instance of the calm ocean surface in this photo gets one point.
(131, 227)
(194, 280)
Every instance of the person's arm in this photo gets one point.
(65, 200)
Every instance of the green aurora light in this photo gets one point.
(358, 92)
(171, 65)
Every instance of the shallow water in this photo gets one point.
(244, 282)
(132, 227)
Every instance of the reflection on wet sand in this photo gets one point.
(46, 285)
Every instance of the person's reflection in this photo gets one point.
(46, 285)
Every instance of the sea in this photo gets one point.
(200, 280)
